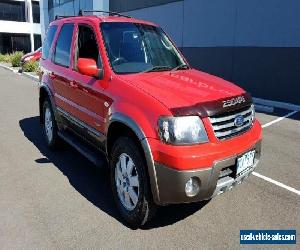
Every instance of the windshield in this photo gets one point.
(134, 48)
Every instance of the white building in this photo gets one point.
(19, 25)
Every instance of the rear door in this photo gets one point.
(61, 72)
(45, 63)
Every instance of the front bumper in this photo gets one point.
(171, 182)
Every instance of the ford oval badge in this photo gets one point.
(239, 120)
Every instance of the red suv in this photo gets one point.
(119, 91)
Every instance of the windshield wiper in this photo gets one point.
(157, 68)
(181, 66)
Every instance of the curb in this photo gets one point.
(26, 74)
(8, 68)
(276, 104)
(262, 108)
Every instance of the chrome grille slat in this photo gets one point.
(224, 126)
(225, 118)
(222, 134)
(229, 125)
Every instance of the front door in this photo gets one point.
(87, 92)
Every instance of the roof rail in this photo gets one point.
(60, 17)
(111, 13)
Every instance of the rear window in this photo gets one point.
(63, 45)
(48, 41)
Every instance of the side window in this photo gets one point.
(48, 41)
(63, 45)
(87, 45)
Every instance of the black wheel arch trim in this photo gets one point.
(130, 123)
(45, 87)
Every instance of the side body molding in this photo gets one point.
(129, 122)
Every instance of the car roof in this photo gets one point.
(101, 19)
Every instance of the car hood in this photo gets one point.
(183, 87)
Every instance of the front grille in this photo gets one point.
(224, 125)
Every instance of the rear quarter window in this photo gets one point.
(48, 41)
(63, 45)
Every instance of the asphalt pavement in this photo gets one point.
(60, 200)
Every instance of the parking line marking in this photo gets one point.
(277, 183)
(279, 119)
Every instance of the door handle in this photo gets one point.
(51, 75)
(73, 85)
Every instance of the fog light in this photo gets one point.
(192, 187)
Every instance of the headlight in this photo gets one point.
(182, 130)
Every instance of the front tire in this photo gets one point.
(130, 185)
(49, 126)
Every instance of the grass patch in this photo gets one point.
(16, 58)
(31, 66)
(5, 58)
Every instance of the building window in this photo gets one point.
(50, 4)
(37, 41)
(12, 11)
(53, 3)
(36, 12)
(64, 1)
(14, 42)
(129, 5)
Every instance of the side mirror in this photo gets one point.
(88, 66)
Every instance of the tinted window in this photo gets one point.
(37, 41)
(52, 3)
(87, 44)
(48, 41)
(63, 45)
(36, 12)
(12, 11)
(128, 5)
(13, 42)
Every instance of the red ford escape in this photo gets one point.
(118, 90)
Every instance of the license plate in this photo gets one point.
(245, 162)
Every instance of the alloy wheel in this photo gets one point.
(48, 124)
(127, 181)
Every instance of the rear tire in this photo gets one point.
(49, 126)
(130, 184)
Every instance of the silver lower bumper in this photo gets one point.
(227, 183)
(171, 182)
